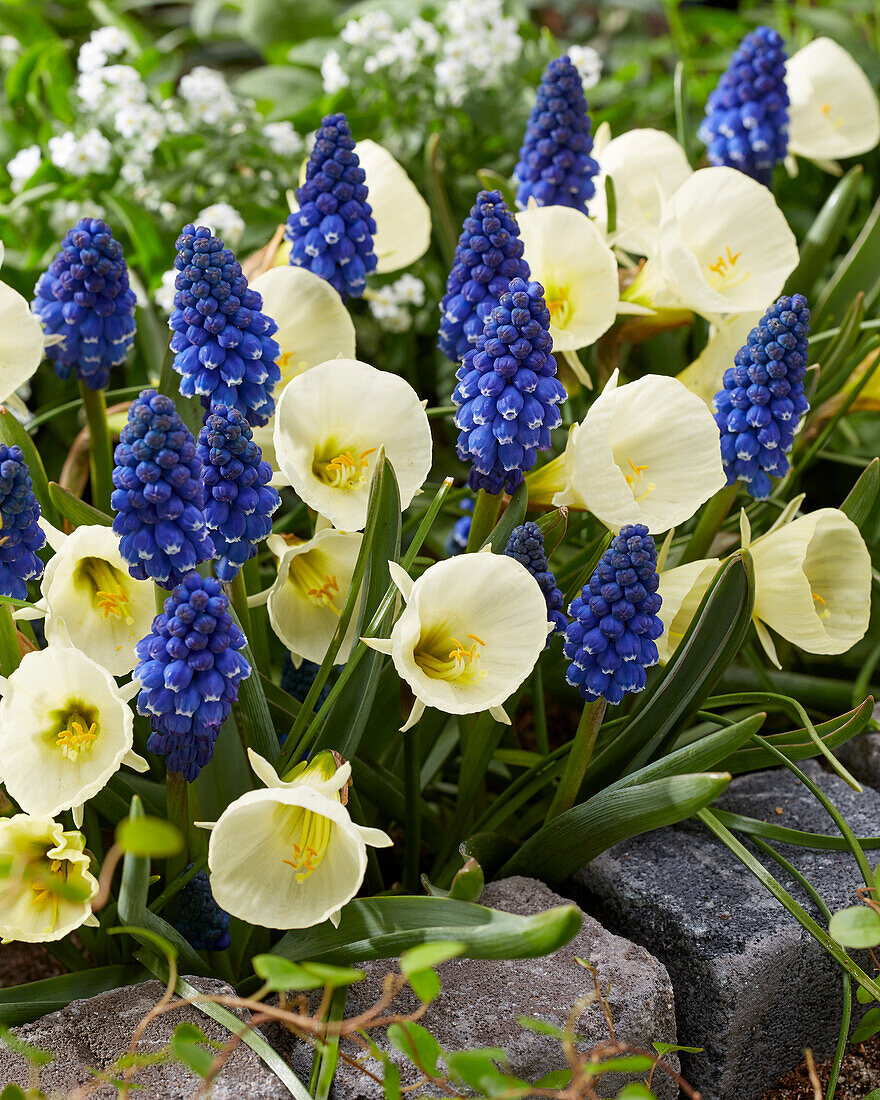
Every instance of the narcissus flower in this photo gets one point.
(705, 375)
(65, 729)
(834, 109)
(488, 256)
(90, 596)
(646, 167)
(330, 424)
(331, 233)
(21, 350)
(746, 123)
(611, 638)
(760, 407)
(555, 167)
(646, 452)
(309, 592)
(472, 629)
(46, 888)
(224, 351)
(812, 582)
(20, 533)
(289, 856)
(507, 398)
(402, 217)
(681, 590)
(526, 545)
(189, 671)
(85, 299)
(568, 256)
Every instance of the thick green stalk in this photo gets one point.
(412, 759)
(10, 652)
(708, 525)
(177, 809)
(258, 636)
(576, 765)
(238, 599)
(100, 449)
(485, 517)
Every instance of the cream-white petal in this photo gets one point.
(403, 218)
(681, 590)
(21, 349)
(705, 375)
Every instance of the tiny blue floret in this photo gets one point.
(85, 298)
(611, 638)
(457, 540)
(200, 920)
(297, 681)
(20, 534)
(526, 545)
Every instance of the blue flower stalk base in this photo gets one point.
(762, 402)
(555, 167)
(488, 255)
(332, 232)
(746, 123)
(526, 545)
(20, 535)
(189, 669)
(611, 638)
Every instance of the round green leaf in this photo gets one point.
(857, 926)
(148, 837)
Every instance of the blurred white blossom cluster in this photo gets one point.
(390, 304)
(469, 46)
(588, 63)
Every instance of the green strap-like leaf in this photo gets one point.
(860, 499)
(77, 511)
(858, 271)
(513, 516)
(822, 238)
(22, 1003)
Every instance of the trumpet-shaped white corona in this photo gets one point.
(472, 629)
(290, 856)
(89, 594)
(65, 728)
(812, 583)
(46, 887)
(309, 592)
(403, 218)
(21, 349)
(724, 244)
(646, 167)
(647, 452)
(705, 376)
(833, 110)
(681, 590)
(568, 256)
(329, 426)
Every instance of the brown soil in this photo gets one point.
(859, 1075)
(26, 962)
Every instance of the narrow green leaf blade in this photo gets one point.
(77, 511)
(860, 499)
(858, 271)
(22, 1003)
(822, 238)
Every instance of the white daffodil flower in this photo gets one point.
(681, 590)
(833, 110)
(646, 167)
(812, 582)
(89, 594)
(65, 728)
(472, 629)
(705, 376)
(723, 246)
(403, 218)
(21, 349)
(46, 887)
(646, 452)
(290, 856)
(569, 257)
(329, 426)
(309, 592)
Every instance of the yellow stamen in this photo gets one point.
(724, 268)
(76, 738)
(115, 604)
(558, 305)
(106, 586)
(289, 368)
(824, 614)
(633, 480)
(310, 577)
(460, 664)
(312, 832)
(345, 471)
(326, 592)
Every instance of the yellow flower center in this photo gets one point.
(458, 664)
(310, 836)
(558, 304)
(289, 368)
(76, 737)
(726, 270)
(310, 576)
(825, 612)
(41, 888)
(105, 586)
(639, 485)
(344, 470)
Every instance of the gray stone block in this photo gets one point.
(862, 756)
(481, 1001)
(751, 986)
(95, 1032)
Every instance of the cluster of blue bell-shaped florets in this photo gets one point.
(200, 920)
(763, 400)
(20, 534)
(508, 396)
(526, 545)
(611, 638)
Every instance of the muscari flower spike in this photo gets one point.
(222, 340)
(20, 534)
(297, 681)
(200, 920)
(555, 167)
(488, 255)
(85, 299)
(159, 493)
(746, 123)
(240, 501)
(457, 540)
(526, 545)
(759, 409)
(508, 395)
(189, 670)
(332, 232)
(611, 638)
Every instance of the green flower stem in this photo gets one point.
(238, 599)
(782, 895)
(177, 810)
(485, 517)
(412, 760)
(258, 636)
(10, 652)
(100, 450)
(576, 765)
(708, 525)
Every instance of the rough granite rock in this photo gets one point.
(751, 986)
(481, 1001)
(93, 1033)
